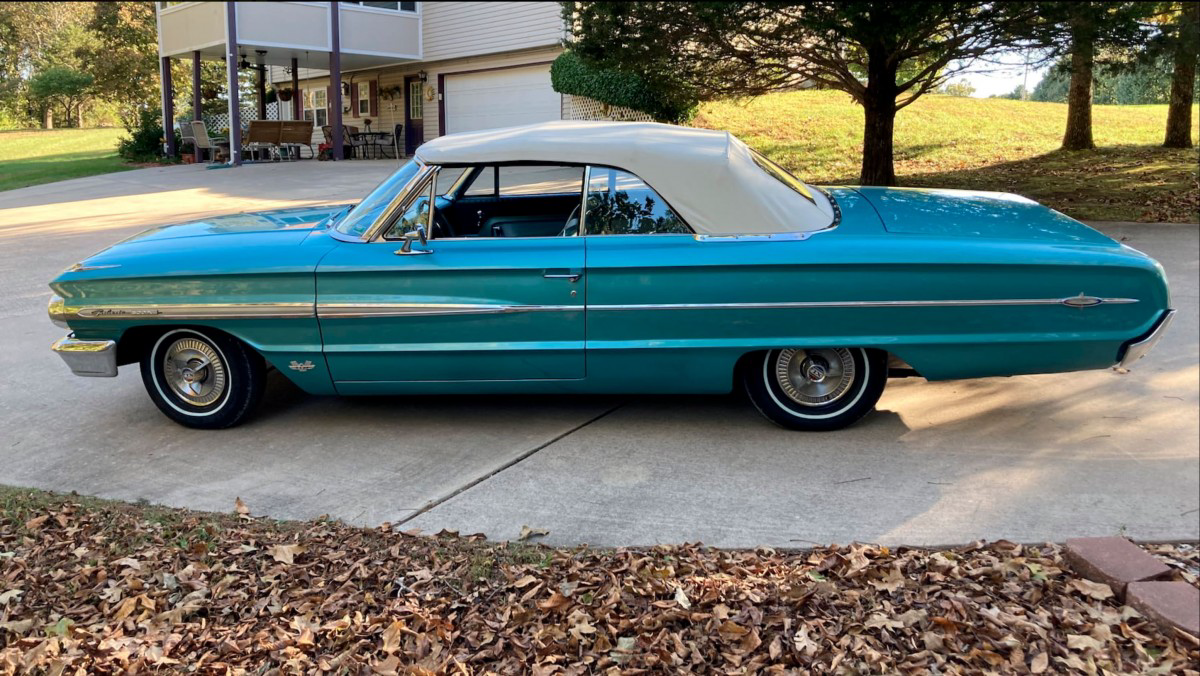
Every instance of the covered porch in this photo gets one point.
(299, 40)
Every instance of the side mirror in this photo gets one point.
(419, 234)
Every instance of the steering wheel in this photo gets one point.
(441, 226)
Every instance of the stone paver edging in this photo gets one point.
(1139, 579)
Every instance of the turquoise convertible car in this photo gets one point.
(575, 257)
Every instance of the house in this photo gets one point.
(433, 67)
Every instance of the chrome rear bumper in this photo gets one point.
(1137, 349)
(93, 358)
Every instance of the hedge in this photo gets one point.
(571, 75)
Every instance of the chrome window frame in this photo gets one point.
(406, 194)
(384, 218)
(412, 194)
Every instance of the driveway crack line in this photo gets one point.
(475, 482)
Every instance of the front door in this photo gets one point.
(414, 106)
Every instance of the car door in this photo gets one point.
(457, 310)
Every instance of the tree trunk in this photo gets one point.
(1179, 113)
(1079, 95)
(47, 118)
(879, 106)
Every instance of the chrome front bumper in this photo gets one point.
(92, 358)
(1138, 348)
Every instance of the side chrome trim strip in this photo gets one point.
(194, 311)
(863, 303)
(352, 310)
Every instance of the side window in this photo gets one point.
(540, 180)
(416, 213)
(484, 184)
(619, 203)
(446, 179)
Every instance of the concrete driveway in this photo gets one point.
(1030, 458)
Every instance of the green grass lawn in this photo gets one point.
(983, 144)
(30, 157)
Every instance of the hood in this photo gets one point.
(297, 220)
(281, 240)
(968, 213)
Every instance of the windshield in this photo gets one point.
(362, 215)
(782, 175)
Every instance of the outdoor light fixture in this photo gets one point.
(423, 75)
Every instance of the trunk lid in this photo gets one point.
(969, 213)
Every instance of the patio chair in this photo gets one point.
(203, 141)
(296, 133)
(392, 142)
(356, 145)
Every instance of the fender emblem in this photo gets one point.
(307, 365)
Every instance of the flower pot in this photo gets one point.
(209, 93)
(285, 95)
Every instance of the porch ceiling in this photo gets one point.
(282, 56)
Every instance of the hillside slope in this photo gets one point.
(983, 144)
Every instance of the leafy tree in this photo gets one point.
(963, 88)
(35, 36)
(63, 87)
(1089, 31)
(124, 59)
(885, 55)
(1180, 39)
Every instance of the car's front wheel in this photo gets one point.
(203, 379)
(816, 389)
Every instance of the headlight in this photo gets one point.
(57, 309)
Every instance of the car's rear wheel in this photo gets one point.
(816, 389)
(203, 379)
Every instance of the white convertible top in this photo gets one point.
(710, 177)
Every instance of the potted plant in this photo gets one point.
(285, 95)
(209, 92)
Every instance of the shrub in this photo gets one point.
(571, 75)
(145, 142)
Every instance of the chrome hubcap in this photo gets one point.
(194, 371)
(815, 377)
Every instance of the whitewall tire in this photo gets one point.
(816, 389)
(202, 378)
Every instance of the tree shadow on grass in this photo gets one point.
(1117, 183)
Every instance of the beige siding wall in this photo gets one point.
(459, 29)
(391, 112)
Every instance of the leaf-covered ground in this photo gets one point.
(984, 144)
(89, 586)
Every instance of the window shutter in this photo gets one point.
(374, 97)
(354, 99)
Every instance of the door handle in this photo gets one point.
(572, 275)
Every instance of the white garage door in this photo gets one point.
(500, 98)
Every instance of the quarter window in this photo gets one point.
(619, 203)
